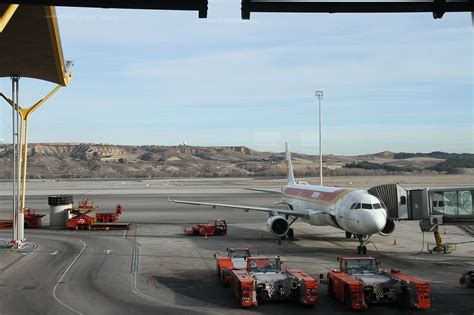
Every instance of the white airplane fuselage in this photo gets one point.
(354, 211)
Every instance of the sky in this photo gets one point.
(398, 82)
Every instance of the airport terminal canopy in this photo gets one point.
(31, 45)
(182, 5)
(437, 7)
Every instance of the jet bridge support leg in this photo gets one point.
(440, 247)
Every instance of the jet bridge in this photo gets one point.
(451, 206)
(431, 206)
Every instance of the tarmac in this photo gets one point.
(156, 268)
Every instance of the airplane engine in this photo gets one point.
(278, 226)
(389, 228)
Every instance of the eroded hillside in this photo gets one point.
(64, 160)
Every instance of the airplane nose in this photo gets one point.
(380, 220)
(375, 221)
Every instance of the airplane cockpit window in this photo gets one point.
(353, 205)
(366, 206)
(377, 205)
(357, 206)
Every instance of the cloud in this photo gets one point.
(270, 74)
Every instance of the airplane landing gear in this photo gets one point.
(291, 234)
(361, 249)
(348, 234)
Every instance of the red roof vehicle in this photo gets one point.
(359, 282)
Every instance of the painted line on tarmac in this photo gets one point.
(20, 257)
(62, 277)
(193, 244)
(133, 283)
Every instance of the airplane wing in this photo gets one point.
(269, 191)
(274, 211)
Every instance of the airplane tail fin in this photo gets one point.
(291, 178)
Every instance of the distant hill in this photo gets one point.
(85, 160)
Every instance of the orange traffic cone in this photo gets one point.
(394, 241)
(205, 236)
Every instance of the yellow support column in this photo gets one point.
(7, 15)
(25, 114)
(440, 246)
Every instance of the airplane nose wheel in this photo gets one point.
(361, 249)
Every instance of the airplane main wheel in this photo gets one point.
(348, 234)
(364, 250)
(359, 250)
(291, 234)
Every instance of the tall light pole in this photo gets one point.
(319, 95)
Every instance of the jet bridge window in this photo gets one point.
(366, 206)
(452, 203)
(403, 200)
(465, 202)
(438, 203)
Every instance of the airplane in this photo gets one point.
(356, 212)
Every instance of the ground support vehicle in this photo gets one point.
(80, 221)
(236, 258)
(216, 227)
(359, 282)
(111, 217)
(32, 220)
(86, 217)
(467, 279)
(6, 224)
(263, 280)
